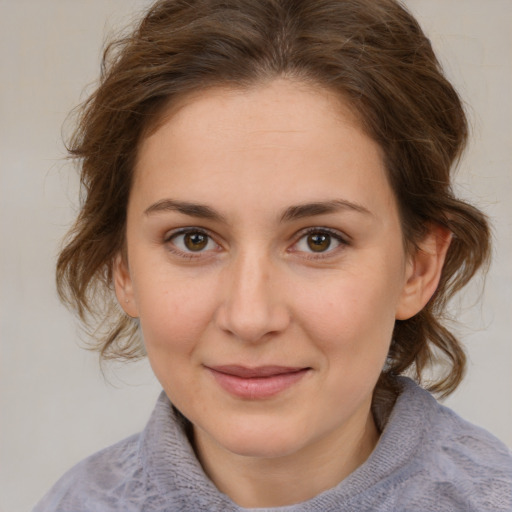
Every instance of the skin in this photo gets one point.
(257, 293)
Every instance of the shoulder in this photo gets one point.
(469, 454)
(109, 480)
(461, 464)
(152, 471)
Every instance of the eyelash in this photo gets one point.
(187, 231)
(334, 234)
(312, 255)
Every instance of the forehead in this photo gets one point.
(284, 138)
(263, 92)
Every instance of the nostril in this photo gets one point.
(253, 308)
(252, 323)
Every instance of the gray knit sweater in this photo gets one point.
(427, 459)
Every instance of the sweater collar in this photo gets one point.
(170, 462)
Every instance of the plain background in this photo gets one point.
(55, 405)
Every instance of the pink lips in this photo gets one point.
(256, 383)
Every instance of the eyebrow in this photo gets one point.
(291, 213)
(321, 208)
(200, 211)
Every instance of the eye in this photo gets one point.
(319, 241)
(192, 241)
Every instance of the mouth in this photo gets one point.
(256, 383)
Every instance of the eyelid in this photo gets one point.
(340, 237)
(169, 235)
(336, 233)
(185, 230)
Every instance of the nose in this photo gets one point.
(253, 307)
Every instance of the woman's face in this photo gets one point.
(266, 264)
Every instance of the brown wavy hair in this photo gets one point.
(371, 52)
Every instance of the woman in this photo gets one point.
(267, 195)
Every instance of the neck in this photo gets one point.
(254, 482)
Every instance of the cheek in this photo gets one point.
(353, 315)
(174, 313)
(175, 316)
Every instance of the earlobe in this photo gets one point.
(423, 272)
(123, 286)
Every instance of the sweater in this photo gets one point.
(427, 459)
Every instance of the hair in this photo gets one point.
(372, 53)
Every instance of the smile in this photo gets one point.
(256, 383)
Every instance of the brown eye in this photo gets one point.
(319, 242)
(195, 241)
(192, 241)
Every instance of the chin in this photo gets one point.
(262, 447)
(263, 439)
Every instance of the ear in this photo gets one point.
(423, 271)
(123, 286)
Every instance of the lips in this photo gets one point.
(256, 383)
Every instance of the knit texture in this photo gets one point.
(427, 459)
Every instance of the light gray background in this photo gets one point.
(55, 405)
